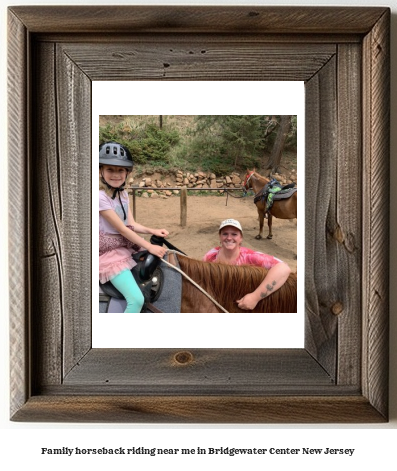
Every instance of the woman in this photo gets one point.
(232, 252)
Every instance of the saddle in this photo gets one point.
(274, 191)
(148, 275)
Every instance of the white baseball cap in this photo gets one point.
(231, 222)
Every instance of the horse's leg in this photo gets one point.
(261, 217)
(270, 223)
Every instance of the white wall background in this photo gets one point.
(21, 443)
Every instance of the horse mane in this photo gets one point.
(261, 178)
(227, 283)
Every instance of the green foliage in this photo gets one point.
(216, 143)
(148, 144)
(225, 143)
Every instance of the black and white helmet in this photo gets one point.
(113, 153)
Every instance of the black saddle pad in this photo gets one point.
(285, 193)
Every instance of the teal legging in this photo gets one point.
(128, 287)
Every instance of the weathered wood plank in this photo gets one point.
(346, 227)
(18, 210)
(73, 109)
(233, 368)
(320, 275)
(199, 409)
(199, 19)
(206, 60)
(48, 251)
(376, 93)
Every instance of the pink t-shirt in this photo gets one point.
(246, 257)
(106, 202)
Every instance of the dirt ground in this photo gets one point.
(204, 214)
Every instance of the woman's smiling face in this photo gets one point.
(230, 237)
(114, 176)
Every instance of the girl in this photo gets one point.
(118, 238)
(232, 252)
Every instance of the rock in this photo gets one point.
(155, 195)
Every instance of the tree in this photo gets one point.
(231, 138)
(270, 126)
(274, 160)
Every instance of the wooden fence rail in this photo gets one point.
(183, 197)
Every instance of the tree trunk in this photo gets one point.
(275, 157)
(161, 121)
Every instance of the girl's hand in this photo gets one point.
(248, 302)
(160, 232)
(157, 250)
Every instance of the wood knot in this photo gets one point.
(183, 358)
(338, 235)
(337, 308)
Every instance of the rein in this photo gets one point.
(192, 281)
(248, 179)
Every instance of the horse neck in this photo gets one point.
(258, 182)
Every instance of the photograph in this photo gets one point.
(214, 186)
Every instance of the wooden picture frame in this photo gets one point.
(342, 54)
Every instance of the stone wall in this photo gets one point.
(164, 185)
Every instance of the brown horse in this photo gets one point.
(227, 283)
(281, 209)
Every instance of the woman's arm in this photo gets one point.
(274, 280)
(111, 217)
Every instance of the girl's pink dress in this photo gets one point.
(115, 251)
